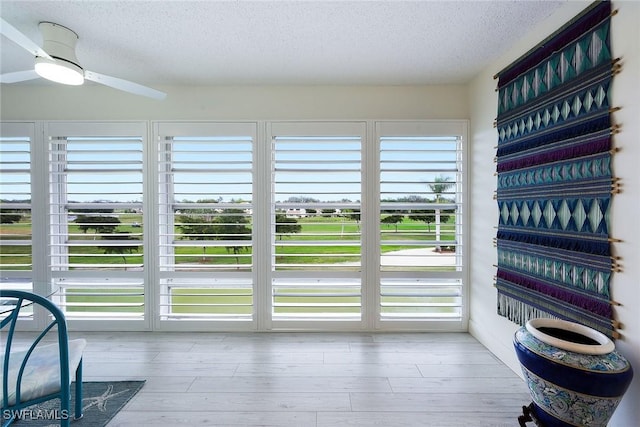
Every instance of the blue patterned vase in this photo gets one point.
(574, 374)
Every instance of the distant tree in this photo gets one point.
(231, 226)
(91, 210)
(425, 216)
(101, 224)
(301, 199)
(9, 216)
(201, 213)
(352, 214)
(196, 228)
(414, 198)
(393, 220)
(411, 199)
(440, 186)
(446, 214)
(286, 225)
(116, 249)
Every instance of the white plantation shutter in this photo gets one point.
(421, 195)
(206, 220)
(277, 225)
(316, 187)
(97, 219)
(16, 257)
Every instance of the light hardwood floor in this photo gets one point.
(307, 379)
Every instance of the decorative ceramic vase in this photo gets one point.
(574, 374)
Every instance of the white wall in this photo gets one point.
(44, 101)
(494, 331)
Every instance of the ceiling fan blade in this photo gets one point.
(18, 76)
(13, 34)
(124, 85)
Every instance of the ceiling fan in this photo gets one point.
(56, 60)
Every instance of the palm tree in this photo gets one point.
(439, 186)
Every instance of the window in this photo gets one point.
(206, 221)
(421, 221)
(16, 257)
(316, 178)
(319, 225)
(97, 250)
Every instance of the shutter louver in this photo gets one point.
(421, 267)
(316, 225)
(16, 224)
(15, 203)
(97, 224)
(206, 223)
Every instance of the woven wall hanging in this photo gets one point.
(554, 177)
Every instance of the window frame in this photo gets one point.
(164, 213)
(261, 274)
(33, 279)
(431, 128)
(351, 277)
(139, 279)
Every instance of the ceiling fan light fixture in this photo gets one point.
(56, 61)
(59, 71)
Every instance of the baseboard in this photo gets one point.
(502, 348)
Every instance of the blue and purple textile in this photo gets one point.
(555, 181)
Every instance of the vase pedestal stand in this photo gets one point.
(528, 415)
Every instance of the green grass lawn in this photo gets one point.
(317, 229)
(223, 301)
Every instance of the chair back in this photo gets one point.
(18, 300)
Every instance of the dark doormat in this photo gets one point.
(101, 401)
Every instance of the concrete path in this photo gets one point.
(421, 256)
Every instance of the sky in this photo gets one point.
(324, 168)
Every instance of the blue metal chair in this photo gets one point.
(40, 371)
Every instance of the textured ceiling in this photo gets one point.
(280, 42)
